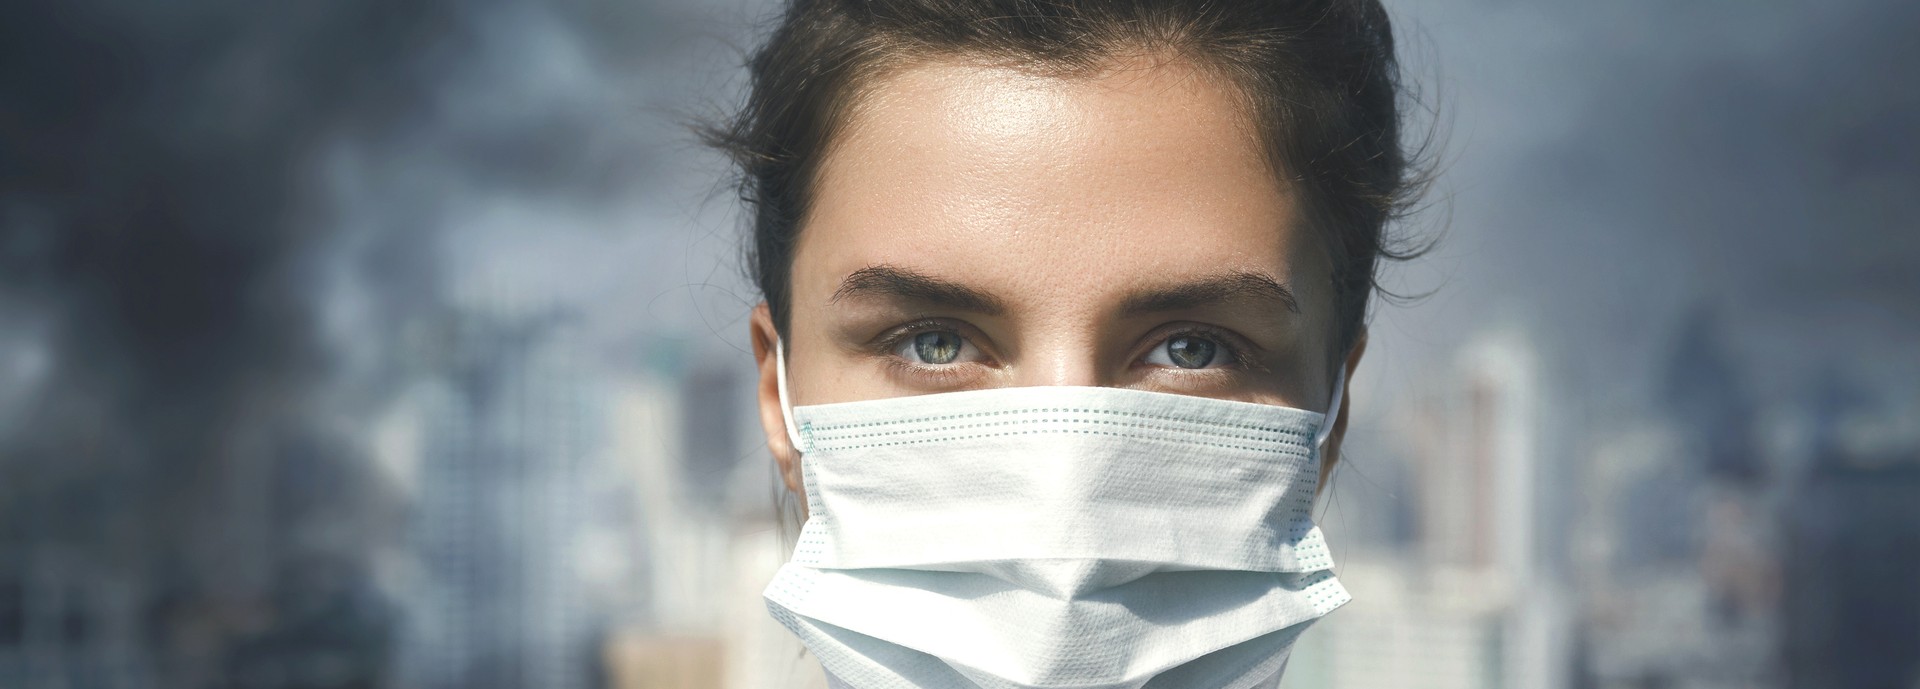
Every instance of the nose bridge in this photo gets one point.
(1060, 352)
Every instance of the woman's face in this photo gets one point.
(976, 227)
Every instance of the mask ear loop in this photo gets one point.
(1333, 411)
(1320, 439)
(789, 533)
(780, 383)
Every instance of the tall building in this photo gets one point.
(1680, 572)
(1706, 394)
(64, 623)
(1474, 599)
(687, 442)
(511, 428)
(677, 429)
(1850, 605)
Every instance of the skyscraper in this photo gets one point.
(510, 427)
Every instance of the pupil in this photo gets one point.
(1190, 352)
(937, 347)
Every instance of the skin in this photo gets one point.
(1066, 230)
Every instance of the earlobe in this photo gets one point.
(767, 394)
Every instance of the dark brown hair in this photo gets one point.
(1319, 77)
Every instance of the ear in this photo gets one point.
(1331, 455)
(767, 392)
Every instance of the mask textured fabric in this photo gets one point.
(1061, 537)
(1066, 469)
(1129, 633)
(857, 661)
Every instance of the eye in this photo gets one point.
(933, 347)
(1187, 351)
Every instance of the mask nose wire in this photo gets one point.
(780, 383)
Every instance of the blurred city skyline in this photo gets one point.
(403, 344)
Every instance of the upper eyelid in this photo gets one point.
(895, 332)
(1226, 337)
(921, 326)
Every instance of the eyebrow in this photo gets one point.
(1228, 286)
(899, 283)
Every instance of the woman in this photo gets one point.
(1060, 299)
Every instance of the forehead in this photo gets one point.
(1048, 188)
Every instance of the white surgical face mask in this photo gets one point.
(1030, 537)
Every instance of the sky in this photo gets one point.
(1613, 168)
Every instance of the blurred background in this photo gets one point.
(402, 344)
